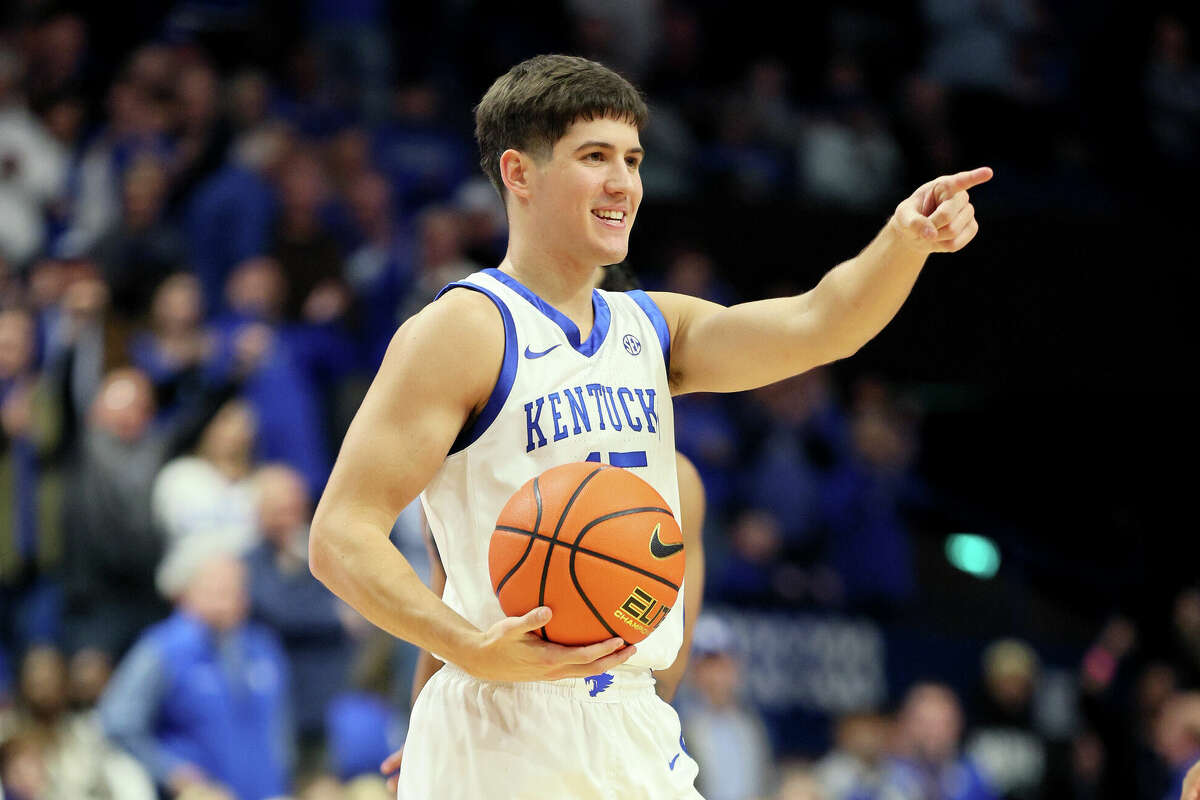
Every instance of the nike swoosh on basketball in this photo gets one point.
(531, 354)
(660, 550)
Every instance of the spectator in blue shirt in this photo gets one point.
(285, 596)
(202, 698)
(930, 766)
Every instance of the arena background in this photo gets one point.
(1036, 385)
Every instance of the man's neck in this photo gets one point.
(560, 281)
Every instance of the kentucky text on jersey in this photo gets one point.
(571, 411)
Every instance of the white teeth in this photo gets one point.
(614, 215)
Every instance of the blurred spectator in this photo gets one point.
(753, 571)
(929, 766)
(380, 271)
(231, 215)
(309, 256)
(292, 365)
(247, 100)
(32, 167)
(847, 156)
(424, 160)
(287, 598)
(201, 136)
(114, 544)
(208, 495)
(356, 59)
(1185, 629)
(484, 221)
(175, 349)
(1172, 86)
(864, 500)
(57, 52)
(621, 36)
(77, 762)
(202, 698)
(31, 435)
(724, 734)
(1178, 738)
(796, 436)
(798, 782)
(440, 257)
(1003, 740)
(853, 769)
(138, 254)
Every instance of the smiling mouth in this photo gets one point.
(615, 219)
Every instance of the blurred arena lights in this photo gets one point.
(974, 554)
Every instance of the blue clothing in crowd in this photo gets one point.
(305, 614)
(229, 220)
(908, 779)
(188, 696)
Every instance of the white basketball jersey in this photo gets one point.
(558, 399)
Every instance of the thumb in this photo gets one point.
(531, 621)
(915, 223)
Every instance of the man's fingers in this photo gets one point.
(917, 223)
(393, 784)
(950, 231)
(949, 210)
(392, 762)
(599, 665)
(589, 654)
(962, 240)
(950, 185)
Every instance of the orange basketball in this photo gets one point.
(595, 544)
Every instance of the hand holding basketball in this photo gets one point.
(939, 217)
(512, 651)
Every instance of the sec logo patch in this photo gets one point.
(632, 345)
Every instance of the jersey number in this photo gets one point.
(635, 458)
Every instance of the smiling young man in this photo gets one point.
(524, 367)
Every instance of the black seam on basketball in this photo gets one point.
(554, 540)
(537, 522)
(575, 551)
(594, 553)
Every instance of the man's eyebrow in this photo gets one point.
(607, 146)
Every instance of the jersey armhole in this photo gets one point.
(504, 383)
(657, 320)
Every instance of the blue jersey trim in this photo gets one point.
(504, 383)
(569, 328)
(657, 320)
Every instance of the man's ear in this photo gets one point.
(516, 170)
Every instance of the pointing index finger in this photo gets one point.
(964, 180)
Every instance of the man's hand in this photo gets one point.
(939, 217)
(1191, 783)
(390, 767)
(511, 651)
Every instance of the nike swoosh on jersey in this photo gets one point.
(671, 763)
(531, 354)
(660, 550)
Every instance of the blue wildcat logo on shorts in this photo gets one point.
(599, 683)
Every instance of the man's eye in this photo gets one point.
(633, 163)
(597, 156)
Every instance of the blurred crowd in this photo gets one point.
(207, 240)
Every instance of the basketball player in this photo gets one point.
(521, 368)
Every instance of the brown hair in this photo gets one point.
(530, 107)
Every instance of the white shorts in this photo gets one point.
(576, 739)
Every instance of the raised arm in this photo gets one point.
(718, 349)
(438, 371)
